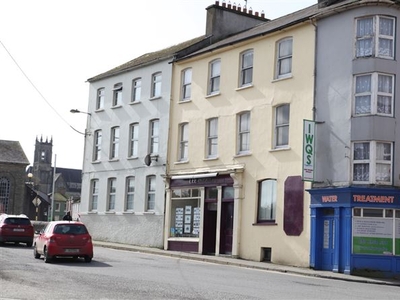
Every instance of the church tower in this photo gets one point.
(42, 170)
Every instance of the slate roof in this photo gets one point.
(148, 58)
(72, 178)
(308, 13)
(11, 152)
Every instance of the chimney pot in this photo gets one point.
(234, 6)
(256, 13)
(239, 8)
(245, 9)
(262, 14)
(229, 4)
(250, 11)
(217, 3)
(223, 3)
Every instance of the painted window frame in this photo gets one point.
(133, 150)
(267, 201)
(100, 98)
(246, 68)
(97, 139)
(371, 38)
(130, 193)
(136, 90)
(368, 164)
(243, 132)
(186, 89)
(151, 186)
(212, 138)
(111, 193)
(214, 77)
(156, 84)
(376, 94)
(94, 194)
(114, 142)
(183, 142)
(284, 60)
(117, 94)
(154, 136)
(282, 126)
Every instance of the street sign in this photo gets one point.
(36, 201)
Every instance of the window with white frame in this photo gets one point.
(94, 194)
(114, 142)
(375, 37)
(214, 77)
(112, 192)
(57, 206)
(156, 85)
(246, 68)
(186, 84)
(374, 94)
(282, 116)
(266, 200)
(212, 138)
(151, 193)
(243, 132)
(133, 140)
(183, 141)
(284, 58)
(136, 89)
(117, 94)
(154, 136)
(97, 145)
(130, 192)
(372, 162)
(100, 98)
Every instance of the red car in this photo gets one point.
(16, 229)
(64, 239)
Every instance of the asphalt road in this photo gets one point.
(118, 274)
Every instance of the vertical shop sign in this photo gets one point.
(308, 150)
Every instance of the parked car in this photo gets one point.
(16, 229)
(63, 239)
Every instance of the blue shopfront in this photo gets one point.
(356, 230)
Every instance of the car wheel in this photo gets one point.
(29, 244)
(47, 257)
(35, 253)
(88, 258)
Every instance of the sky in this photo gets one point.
(49, 48)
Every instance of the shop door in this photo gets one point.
(328, 245)
(226, 234)
(210, 227)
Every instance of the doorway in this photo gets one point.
(328, 241)
(226, 235)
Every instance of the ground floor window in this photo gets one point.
(185, 213)
(376, 231)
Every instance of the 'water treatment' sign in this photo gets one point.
(308, 150)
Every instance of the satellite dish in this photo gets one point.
(147, 160)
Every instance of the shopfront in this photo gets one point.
(200, 214)
(356, 231)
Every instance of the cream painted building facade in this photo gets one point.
(234, 184)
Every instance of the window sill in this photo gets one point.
(133, 158)
(110, 212)
(185, 101)
(244, 87)
(128, 212)
(116, 106)
(113, 159)
(280, 149)
(99, 110)
(210, 158)
(181, 162)
(149, 212)
(155, 98)
(272, 223)
(289, 76)
(135, 102)
(213, 95)
(242, 154)
(96, 162)
(92, 212)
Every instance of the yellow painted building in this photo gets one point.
(234, 171)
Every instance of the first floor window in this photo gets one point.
(185, 213)
(134, 140)
(183, 142)
(284, 58)
(130, 192)
(282, 114)
(112, 190)
(243, 132)
(151, 193)
(372, 162)
(114, 142)
(246, 68)
(94, 194)
(186, 84)
(214, 77)
(212, 138)
(154, 136)
(97, 145)
(266, 200)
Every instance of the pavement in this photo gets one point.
(224, 260)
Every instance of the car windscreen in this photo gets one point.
(17, 221)
(70, 229)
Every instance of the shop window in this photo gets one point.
(211, 193)
(185, 213)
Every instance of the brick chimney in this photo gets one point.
(225, 20)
